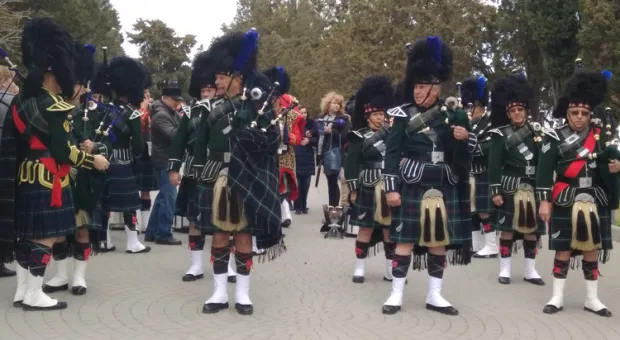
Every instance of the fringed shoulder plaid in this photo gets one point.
(253, 173)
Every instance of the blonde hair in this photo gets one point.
(330, 97)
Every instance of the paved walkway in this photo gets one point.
(308, 294)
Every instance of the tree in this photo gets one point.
(164, 53)
(89, 21)
(10, 28)
(599, 38)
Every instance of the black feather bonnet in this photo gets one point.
(509, 91)
(474, 90)
(202, 74)
(583, 89)
(375, 94)
(279, 74)
(45, 46)
(429, 61)
(128, 78)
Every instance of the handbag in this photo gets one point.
(332, 159)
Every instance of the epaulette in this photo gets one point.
(497, 131)
(59, 104)
(135, 114)
(186, 110)
(551, 133)
(356, 134)
(398, 111)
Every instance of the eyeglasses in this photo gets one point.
(580, 113)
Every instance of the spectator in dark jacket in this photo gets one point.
(164, 124)
(304, 162)
(334, 126)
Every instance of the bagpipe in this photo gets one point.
(5, 56)
(611, 151)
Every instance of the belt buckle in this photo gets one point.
(437, 156)
(227, 157)
(530, 170)
(585, 182)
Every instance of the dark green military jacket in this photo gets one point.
(480, 128)
(126, 132)
(184, 142)
(566, 154)
(364, 159)
(421, 134)
(513, 154)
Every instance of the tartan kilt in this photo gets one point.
(502, 219)
(483, 200)
(406, 221)
(187, 199)
(35, 219)
(121, 193)
(205, 206)
(365, 206)
(560, 228)
(145, 174)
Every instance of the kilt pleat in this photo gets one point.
(145, 174)
(560, 229)
(35, 219)
(364, 209)
(121, 193)
(406, 219)
(483, 201)
(187, 199)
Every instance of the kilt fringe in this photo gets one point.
(585, 227)
(273, 253)
(576, 258)
(524, 220)
(455, 257)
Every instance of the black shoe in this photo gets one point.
(57, 306)
(504, 280)
(47, 289)
(145, 250)
(6, 272)
(232, 278)
(149, 238)
(18, 304)
(212, 308)
(603, 312)
(244, 309)
(78, 290)
(443, 310)
(538, 282)
(551, 309)
(298, 212)
(192, 277)
(286, 223)
(107, 250)
(358, 279)
(390, 310)
(169, 241)
(325, 228)
(305, 211)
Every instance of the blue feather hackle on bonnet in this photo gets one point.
(250, 43)
(481, 84)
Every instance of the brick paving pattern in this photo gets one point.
(308, 294)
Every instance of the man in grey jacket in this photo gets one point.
(8, 90)
(165, 121)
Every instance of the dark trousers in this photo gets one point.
(303, 186)
(333, 189)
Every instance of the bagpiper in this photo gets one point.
(236, 159)
(475, 96)
(292, 126)
(513, 156)
(202, 89)
(579, 204)
(363, 169)
(127, 79)
(88, 186)
(37, 157)
(434, 141)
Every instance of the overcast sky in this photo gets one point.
(202, 18)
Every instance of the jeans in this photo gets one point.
(303, 186)
(162, 214)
